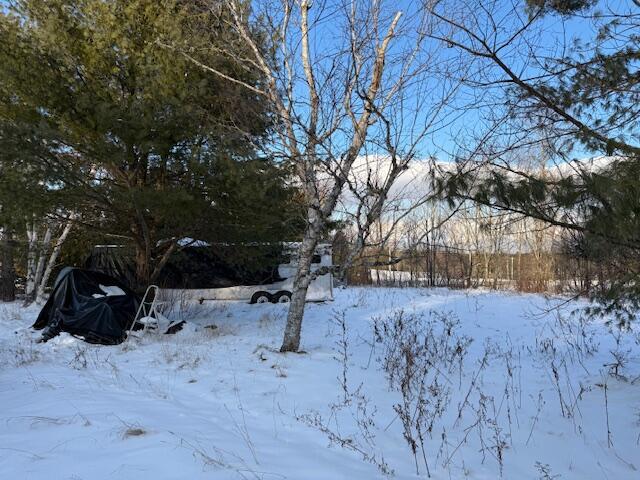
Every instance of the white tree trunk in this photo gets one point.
(43, 250)
(53, 257)
(32, 246)
(293, 329)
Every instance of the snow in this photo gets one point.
(217, 401)
(109, 291)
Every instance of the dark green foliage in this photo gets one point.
(563, 7)
(600, 210)
(611, 239)
(23, 176)
(103, 111)
(7, 271)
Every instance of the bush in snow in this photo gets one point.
(420, 356)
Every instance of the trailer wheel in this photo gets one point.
(282, 296)
(261, 297)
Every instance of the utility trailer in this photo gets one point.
(320, 289)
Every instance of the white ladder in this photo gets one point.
(147, 309)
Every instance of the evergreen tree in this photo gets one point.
(25, 198)
(581, 97)
(142, 143)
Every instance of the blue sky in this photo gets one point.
(467, 122)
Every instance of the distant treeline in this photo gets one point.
(450, 267)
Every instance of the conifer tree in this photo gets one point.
(146, 147)
(574, 96)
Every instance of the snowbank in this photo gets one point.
(220, 403)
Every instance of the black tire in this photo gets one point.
(283, 296)
(261, 297)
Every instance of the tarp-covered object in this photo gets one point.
(89, 304)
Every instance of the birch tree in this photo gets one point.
(44, 244)
(345, 79)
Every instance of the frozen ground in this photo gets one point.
(221, 404)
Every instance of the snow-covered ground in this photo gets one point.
(535, 394)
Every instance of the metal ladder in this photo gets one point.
(147, 309)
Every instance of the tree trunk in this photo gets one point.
(42, 257)
(292, 331)
(32, 245)
(36, 265)
(42, 285)
(142, 260)
(8, 273)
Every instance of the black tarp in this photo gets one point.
(80, 306)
